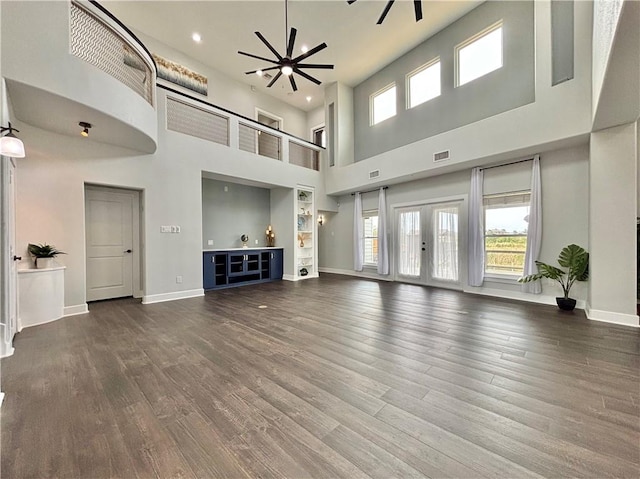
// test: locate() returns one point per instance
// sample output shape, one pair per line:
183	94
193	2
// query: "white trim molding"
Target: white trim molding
359	274
161	298
75	310
611	317
520	296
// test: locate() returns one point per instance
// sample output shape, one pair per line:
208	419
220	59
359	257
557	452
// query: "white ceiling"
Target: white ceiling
356	45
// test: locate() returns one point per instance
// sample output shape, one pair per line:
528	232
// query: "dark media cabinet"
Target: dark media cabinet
237	267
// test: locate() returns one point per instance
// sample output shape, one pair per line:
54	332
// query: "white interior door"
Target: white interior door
427	246
109	243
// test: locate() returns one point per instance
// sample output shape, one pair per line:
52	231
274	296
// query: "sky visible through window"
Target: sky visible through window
510	219
424	85
384	105
480	57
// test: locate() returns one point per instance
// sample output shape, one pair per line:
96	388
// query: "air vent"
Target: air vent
374	174
441	156
267	76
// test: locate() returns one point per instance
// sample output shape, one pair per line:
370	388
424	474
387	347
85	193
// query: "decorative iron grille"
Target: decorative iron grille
97	43
191	120
304	156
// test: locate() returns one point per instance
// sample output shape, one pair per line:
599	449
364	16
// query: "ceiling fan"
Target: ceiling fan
285	64
417	6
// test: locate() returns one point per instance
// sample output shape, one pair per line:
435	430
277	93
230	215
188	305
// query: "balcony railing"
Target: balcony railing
192	116
504	254
94	37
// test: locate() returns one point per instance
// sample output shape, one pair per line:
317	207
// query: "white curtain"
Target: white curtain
409	238
534	230
476	230
445	243
358	234
383	245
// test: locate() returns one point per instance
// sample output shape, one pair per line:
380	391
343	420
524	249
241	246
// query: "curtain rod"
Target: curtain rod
507	164
370	191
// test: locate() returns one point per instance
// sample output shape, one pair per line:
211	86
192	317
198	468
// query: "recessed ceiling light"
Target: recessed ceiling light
308	99
304	49
196	37
259	73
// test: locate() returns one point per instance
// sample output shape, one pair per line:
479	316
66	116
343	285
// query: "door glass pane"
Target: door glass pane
409	243
445	243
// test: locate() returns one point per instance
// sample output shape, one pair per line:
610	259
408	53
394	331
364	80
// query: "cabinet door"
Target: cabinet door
276	264
208	271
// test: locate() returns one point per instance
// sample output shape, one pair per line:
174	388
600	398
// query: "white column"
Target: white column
612	225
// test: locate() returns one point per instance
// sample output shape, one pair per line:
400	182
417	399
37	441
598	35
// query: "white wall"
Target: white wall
565	175
559	117
612	215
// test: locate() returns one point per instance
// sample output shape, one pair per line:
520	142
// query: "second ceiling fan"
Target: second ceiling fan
417	6
287	64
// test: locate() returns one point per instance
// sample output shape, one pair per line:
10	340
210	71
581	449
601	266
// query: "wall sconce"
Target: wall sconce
10	144
320	220
85	126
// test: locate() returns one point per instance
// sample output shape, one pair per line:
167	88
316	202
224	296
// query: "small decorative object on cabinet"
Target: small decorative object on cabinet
43	254
245	240
306	256
271	237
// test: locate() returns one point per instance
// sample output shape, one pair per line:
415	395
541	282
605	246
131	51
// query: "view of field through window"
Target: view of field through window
505	239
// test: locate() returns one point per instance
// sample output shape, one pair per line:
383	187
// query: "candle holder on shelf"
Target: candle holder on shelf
271	237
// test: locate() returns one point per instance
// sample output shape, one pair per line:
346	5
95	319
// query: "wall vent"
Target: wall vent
374	174
441	156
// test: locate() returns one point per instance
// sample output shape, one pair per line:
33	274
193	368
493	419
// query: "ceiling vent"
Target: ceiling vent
374	174
267	76
441	156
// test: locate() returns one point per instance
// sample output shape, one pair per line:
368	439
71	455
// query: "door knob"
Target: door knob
17	258
128	251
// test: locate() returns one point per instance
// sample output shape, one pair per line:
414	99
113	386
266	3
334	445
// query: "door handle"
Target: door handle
128	251
17	258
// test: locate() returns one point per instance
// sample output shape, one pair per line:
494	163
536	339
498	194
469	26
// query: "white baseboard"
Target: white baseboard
520	296
611	317
359	274
161	298
291	277
74	310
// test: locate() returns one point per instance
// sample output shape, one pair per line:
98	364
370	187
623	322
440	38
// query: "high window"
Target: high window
423	83
370	219
506	220
320	136
383	104
479	55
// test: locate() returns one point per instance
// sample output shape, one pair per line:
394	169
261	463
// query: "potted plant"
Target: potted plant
43	254
575	260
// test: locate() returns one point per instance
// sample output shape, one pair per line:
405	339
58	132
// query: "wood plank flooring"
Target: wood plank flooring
337	377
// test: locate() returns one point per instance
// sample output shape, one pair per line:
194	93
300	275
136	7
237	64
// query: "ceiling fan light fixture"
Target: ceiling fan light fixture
286	70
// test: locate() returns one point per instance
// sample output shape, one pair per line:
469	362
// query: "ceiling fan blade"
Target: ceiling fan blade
273	50
275	79
385	11
314	65
261	70
259	58
293	83
313	51
292	41
417	5
304	75
351	1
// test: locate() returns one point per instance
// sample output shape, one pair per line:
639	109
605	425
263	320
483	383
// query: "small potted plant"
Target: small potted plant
43	254
575	260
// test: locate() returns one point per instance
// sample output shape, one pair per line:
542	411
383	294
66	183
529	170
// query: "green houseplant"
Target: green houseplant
575	260
42	251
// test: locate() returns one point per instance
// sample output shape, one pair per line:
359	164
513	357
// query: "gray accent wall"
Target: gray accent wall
502	90
228	214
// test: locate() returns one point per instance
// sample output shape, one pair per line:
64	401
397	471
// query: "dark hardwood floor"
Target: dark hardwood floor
337	378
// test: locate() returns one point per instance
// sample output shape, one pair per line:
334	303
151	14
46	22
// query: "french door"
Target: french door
427	244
